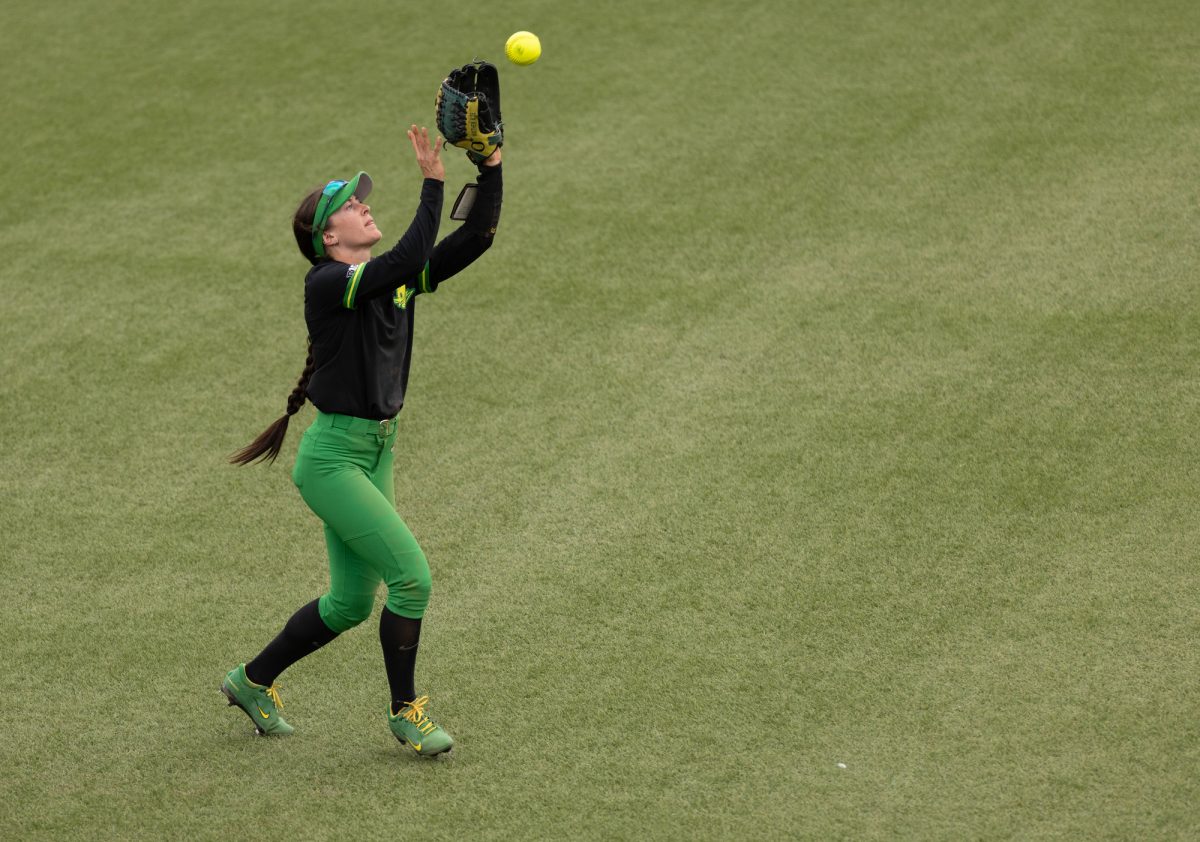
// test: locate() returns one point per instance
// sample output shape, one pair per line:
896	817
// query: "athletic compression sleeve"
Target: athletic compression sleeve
464	245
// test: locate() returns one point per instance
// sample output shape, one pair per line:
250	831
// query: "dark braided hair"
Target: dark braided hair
266	447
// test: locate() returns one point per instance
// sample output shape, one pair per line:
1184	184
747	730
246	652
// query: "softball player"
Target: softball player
359	312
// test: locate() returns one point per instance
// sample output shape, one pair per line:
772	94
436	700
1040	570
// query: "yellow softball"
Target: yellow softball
522	48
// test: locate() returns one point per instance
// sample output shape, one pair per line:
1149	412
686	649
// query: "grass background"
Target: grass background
829	396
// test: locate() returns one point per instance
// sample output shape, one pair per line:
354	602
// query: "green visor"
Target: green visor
336	194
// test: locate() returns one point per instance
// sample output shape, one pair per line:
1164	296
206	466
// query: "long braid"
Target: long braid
269	442
300	394
266	447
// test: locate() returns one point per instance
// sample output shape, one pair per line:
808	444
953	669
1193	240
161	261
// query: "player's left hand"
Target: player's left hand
468	109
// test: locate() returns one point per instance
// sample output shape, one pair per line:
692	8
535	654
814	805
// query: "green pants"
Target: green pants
344	473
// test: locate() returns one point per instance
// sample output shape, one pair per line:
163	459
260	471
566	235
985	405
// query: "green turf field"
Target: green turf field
811	457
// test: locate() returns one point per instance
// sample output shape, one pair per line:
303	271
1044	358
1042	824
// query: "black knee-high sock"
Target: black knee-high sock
304	634
399	637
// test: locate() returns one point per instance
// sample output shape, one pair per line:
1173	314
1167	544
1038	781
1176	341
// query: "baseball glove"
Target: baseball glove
468	109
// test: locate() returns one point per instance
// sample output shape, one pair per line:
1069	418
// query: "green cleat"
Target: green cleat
260	703
412	727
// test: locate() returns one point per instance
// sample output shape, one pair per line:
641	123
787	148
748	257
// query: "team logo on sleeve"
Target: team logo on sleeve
400	299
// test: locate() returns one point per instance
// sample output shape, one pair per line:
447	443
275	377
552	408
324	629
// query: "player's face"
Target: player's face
353	225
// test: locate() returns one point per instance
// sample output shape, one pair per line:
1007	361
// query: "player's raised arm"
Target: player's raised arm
406	261
465	244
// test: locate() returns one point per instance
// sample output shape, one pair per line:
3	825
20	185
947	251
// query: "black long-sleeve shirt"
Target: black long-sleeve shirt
360	316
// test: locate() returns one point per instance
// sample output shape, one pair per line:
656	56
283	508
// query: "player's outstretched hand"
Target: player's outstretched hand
429	155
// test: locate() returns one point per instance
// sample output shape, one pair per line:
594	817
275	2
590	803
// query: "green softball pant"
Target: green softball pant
344	473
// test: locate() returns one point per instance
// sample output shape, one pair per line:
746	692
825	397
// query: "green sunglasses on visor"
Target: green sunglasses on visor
336	194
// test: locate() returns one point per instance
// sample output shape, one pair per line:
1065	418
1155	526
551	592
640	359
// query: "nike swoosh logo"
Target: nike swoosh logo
416	746
264	715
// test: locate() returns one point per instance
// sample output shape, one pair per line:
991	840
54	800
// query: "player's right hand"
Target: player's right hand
429	155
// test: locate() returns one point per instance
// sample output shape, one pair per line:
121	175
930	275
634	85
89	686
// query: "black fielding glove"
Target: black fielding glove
468	109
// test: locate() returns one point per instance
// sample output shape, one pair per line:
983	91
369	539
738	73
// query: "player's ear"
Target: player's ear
329	239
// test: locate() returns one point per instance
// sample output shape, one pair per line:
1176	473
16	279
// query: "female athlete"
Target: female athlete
359	313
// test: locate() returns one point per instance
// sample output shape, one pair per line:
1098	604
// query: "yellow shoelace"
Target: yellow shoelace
415	713
274	694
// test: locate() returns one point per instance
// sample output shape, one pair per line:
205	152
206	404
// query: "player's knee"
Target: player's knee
422	586
344	614
408	596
